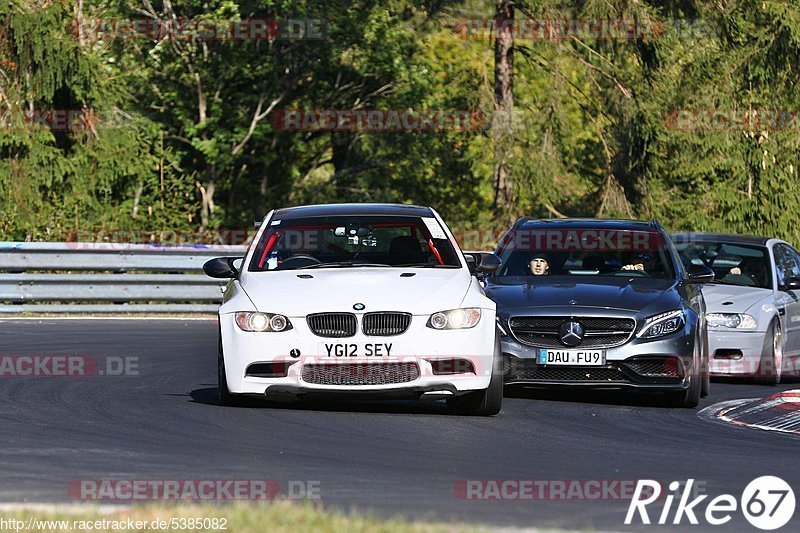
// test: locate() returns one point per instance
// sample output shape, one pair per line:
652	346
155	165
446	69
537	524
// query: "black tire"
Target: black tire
705	383
770	366
690	397
706	370
486	402
226	397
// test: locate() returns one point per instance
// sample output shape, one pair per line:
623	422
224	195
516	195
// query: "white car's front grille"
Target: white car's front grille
339	325
335	325
385	324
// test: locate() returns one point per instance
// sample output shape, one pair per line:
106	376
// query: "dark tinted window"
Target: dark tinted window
732	263
585	252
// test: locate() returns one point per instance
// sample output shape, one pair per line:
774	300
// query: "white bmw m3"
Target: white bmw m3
359	298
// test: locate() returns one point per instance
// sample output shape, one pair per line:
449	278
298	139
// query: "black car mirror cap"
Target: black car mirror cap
472	263
791	284
222	267
482	262
699	274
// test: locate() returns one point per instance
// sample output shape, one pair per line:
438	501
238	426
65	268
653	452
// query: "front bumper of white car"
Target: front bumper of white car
735	353
419	361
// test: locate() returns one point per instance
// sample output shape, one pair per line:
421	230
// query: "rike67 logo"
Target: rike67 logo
767	503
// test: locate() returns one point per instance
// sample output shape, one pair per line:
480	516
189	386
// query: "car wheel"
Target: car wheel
486	402
691	396
226	397
771	364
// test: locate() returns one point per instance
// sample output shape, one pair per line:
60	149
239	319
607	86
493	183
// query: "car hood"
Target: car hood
380	289
733	299
637	295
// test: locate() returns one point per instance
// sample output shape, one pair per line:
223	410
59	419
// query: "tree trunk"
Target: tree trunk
206	201
340	158
503	109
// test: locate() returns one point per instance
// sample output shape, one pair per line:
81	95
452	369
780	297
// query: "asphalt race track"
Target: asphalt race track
395	458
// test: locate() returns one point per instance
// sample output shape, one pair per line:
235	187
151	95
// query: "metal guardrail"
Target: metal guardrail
108	278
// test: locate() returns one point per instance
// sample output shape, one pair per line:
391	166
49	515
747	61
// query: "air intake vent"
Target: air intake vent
360	373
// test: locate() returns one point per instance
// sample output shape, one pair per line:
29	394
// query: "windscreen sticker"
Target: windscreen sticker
274	222
433	226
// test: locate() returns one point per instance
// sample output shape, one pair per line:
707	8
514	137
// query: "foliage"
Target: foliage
182	132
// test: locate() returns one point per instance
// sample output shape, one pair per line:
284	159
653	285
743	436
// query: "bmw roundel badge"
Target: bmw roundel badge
358	307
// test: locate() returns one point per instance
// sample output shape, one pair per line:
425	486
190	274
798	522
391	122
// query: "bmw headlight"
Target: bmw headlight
661	325
730	320
262	322
455	319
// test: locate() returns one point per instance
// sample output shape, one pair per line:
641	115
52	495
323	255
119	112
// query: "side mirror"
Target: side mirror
221	267
482	262
791	284
472	265
699	274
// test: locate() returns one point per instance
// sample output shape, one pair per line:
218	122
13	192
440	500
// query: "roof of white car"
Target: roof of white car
322	210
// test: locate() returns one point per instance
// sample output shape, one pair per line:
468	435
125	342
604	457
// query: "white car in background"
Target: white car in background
359	298
753	303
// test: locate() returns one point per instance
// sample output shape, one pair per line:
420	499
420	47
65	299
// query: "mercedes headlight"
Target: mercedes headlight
455	319
262	322
730	320
661	325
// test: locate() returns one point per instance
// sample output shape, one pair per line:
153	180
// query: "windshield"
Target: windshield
588	252
353	241
733	264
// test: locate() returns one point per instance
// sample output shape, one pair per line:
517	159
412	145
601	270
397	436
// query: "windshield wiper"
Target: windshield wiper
343	264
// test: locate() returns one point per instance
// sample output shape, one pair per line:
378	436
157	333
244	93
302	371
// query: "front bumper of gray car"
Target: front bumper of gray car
660	364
